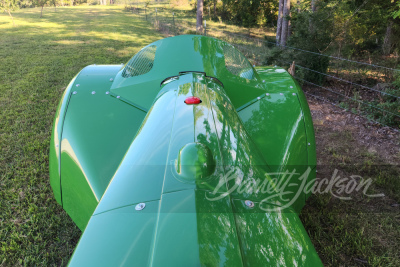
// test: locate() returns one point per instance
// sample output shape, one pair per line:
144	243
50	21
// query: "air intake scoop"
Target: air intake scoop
195	161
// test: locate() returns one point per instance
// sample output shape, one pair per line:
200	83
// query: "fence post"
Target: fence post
292	70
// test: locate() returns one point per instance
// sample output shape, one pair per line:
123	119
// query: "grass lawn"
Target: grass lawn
38	58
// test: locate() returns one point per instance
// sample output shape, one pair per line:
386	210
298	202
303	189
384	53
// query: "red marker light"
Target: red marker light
192	100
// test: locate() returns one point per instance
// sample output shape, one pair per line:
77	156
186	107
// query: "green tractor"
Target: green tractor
185	156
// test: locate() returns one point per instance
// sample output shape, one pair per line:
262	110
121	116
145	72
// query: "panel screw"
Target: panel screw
93	92
118	96
74	92
140	206
77	85
107	93
267	94
281	94
294	93
249	203
291	86
258	98
263	81
309	144
111	79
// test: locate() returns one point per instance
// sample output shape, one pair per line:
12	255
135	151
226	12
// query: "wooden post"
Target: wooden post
292	70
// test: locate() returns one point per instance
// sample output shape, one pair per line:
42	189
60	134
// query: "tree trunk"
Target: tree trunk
310	22
215	8
313	8
279	22
41	12
285	22
199	20
9	13
387	42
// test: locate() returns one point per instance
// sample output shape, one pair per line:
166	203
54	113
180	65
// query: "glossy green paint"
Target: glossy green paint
121	237
55	142
185	53
279	236
189	164
97	129
195	161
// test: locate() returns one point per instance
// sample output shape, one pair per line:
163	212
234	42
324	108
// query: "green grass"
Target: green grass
38	58
364	231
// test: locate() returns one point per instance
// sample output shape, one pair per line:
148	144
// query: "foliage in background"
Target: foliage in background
389	103
311	31
366	26
8	6
396	13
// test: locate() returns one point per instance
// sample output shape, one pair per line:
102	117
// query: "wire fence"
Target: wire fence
365	89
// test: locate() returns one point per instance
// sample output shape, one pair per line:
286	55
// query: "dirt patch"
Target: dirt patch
361	231
384	142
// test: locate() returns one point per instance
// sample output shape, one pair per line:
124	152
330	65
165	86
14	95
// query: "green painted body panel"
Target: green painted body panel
280	238
180	54
55	143
135	140
97	129
128	234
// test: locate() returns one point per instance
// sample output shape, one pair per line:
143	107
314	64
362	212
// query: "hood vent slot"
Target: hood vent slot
141	63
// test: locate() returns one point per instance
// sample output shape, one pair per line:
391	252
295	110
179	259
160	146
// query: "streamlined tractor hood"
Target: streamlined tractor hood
177	158
171	203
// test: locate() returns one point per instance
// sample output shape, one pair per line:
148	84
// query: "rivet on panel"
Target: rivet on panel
140	206
93	92
281	94
118	96
263	81
291	86
56	145
309	144
111	79
74	92
249	203
258	98
107	93
267	94
294	94
77	85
